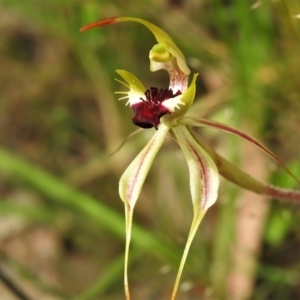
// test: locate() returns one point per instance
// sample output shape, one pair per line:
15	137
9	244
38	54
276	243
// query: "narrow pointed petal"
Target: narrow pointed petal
204	184
136	88
198	122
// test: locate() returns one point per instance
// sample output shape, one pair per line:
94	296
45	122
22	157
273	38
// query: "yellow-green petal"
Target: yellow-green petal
136	88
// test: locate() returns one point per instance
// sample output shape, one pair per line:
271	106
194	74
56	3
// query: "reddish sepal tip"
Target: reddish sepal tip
103	22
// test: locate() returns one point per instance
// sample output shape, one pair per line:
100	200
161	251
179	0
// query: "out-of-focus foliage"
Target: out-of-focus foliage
61	232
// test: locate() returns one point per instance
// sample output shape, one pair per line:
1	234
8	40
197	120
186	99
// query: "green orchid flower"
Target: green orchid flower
165	110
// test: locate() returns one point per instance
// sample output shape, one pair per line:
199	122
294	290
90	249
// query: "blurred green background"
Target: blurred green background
61	219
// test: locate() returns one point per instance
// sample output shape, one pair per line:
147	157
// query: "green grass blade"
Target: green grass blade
58	191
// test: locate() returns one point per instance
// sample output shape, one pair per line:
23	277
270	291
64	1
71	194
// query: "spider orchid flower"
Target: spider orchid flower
165	110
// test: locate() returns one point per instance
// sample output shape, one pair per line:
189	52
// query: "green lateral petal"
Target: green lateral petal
204	184
136	88
198	122
133	82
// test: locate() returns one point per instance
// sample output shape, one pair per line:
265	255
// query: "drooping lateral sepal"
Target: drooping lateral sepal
204	184
133	178
131	183
204	175
244	180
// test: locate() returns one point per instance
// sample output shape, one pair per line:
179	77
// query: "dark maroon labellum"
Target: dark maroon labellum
149	111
